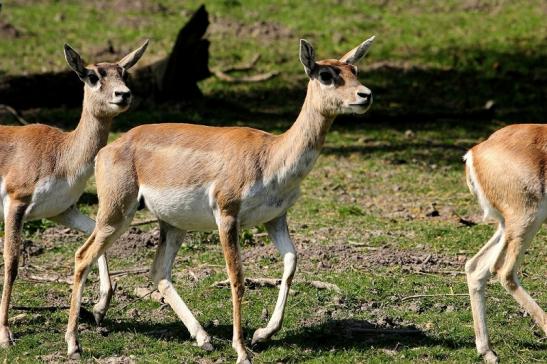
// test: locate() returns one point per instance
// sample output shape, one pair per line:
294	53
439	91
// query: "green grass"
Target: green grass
356	197
373	185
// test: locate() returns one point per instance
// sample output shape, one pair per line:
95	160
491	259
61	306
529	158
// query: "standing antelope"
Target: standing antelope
43	171
507	174
194	177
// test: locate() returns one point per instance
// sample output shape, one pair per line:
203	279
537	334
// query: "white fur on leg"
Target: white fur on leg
279	233
161	275
478	270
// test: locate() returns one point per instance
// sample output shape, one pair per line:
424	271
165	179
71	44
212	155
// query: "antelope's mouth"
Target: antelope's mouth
122	103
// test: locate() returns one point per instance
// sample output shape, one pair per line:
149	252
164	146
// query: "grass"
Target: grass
376	181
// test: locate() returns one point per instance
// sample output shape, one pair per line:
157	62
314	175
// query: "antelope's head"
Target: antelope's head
334	83
105	90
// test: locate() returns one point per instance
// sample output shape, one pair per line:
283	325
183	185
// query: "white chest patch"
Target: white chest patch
187	208
262	203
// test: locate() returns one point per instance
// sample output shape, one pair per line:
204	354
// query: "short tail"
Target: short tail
477	190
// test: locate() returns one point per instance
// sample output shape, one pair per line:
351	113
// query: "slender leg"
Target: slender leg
517	243
279	233
13	222
93	248
228	231
74	219
478	270
170	242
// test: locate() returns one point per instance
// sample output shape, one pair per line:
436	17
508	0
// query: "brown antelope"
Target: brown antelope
43	170
507	174
194	177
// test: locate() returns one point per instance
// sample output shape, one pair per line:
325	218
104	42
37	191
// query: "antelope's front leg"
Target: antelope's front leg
13	222
74	219
279	233
228	231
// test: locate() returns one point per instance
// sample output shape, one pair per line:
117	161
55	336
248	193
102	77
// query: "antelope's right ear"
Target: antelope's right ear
307	56
75	62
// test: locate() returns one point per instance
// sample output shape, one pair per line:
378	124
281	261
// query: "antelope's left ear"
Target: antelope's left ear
129	61
357	53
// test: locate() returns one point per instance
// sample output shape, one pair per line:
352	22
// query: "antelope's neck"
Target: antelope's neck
84	142
294	153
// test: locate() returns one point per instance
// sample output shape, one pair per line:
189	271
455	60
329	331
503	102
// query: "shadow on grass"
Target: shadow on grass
362	335
333	334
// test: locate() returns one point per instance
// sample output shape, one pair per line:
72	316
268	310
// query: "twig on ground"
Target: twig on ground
145	222
274	282
223	75
243	67
47	278
436	271
119	273
325	285
15	113
254	78
432	295
259	282
139	298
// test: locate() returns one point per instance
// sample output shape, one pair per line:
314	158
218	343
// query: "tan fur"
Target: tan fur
43	170
509	171
247	172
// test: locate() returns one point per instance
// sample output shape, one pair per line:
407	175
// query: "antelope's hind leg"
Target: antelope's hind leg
170	242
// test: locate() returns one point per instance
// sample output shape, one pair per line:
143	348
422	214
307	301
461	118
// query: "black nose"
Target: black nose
364	95
125	95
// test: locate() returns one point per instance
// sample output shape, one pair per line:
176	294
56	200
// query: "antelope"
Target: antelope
507	174
195	177
43	170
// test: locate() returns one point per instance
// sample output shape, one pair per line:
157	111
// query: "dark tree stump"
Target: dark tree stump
188	62
171	79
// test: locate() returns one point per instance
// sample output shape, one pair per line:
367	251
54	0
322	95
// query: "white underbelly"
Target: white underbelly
52	196
193	208
187	208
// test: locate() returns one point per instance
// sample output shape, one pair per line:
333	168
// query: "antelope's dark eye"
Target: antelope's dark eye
93	78
325	76
102	72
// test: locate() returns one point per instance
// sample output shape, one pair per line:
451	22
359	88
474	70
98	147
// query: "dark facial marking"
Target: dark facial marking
92	77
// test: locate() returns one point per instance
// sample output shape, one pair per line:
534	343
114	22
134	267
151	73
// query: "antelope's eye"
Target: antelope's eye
93	78
102	72
325	76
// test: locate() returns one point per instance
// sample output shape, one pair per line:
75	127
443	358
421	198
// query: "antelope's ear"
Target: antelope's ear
358	53
307	56
75	62
129	61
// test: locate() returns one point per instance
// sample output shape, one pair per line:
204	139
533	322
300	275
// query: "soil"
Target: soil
7	30
134	240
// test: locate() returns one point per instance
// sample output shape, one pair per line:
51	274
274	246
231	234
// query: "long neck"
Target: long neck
84	142
295	152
